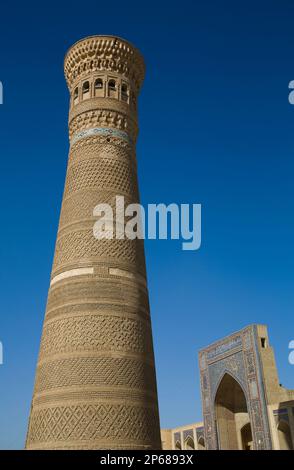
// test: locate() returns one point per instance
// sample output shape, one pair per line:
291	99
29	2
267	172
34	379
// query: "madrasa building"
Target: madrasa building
244	405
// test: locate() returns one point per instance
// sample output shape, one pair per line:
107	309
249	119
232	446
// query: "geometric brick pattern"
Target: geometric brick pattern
92	149
82	244
113	174
94	291
79	206
88	332
103	307
95	371
86	422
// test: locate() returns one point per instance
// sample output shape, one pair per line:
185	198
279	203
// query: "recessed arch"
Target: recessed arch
284	434
98	83
178	445
230	373
86	90
112	88
98	87
112	84
189	443
231	413
124	92
201	443
246	436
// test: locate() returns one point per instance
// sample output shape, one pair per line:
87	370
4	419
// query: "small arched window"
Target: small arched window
189	443
98	84
76	95
124	92
111	85
86	87
201	443
178	446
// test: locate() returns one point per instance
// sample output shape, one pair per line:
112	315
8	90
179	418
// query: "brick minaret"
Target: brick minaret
95	382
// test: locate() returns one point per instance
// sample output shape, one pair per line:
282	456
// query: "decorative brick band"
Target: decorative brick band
71	273
93	422
123	273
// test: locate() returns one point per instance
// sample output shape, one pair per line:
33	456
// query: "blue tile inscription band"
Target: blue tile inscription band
105	131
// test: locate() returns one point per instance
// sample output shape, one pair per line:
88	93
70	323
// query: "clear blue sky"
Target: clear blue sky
216	128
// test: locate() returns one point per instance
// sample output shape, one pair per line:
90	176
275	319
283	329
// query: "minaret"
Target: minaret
95	383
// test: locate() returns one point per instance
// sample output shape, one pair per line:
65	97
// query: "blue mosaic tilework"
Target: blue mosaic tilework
224	348
234	365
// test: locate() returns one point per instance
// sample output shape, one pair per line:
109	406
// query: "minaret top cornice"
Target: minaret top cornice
104	53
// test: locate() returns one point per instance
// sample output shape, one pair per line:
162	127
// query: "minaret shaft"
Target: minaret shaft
95	382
